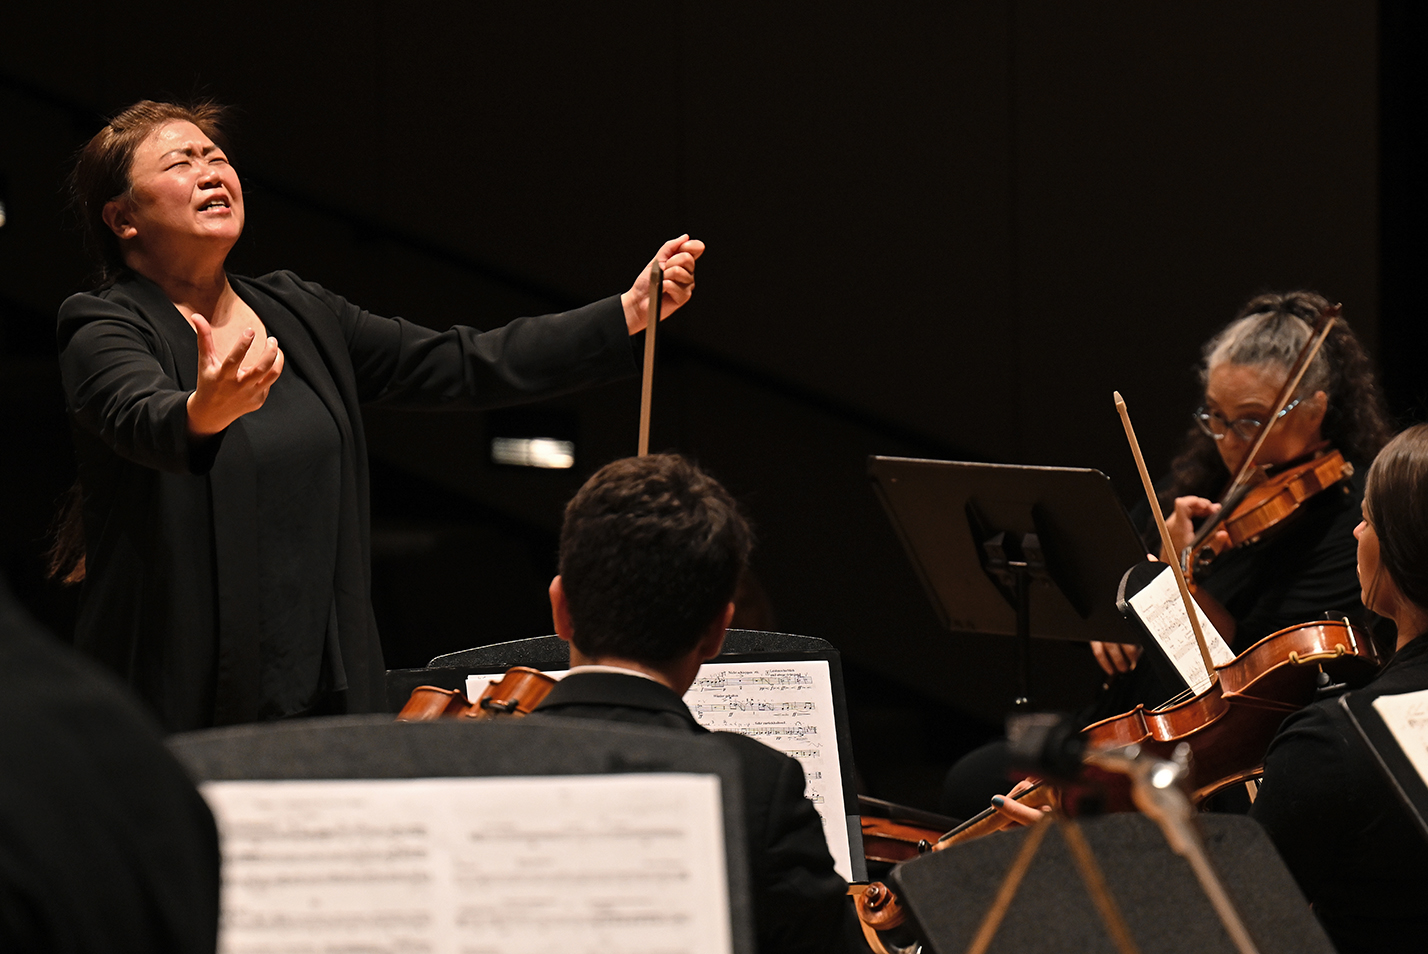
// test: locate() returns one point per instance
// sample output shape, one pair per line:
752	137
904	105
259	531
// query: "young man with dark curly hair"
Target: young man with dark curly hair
650	553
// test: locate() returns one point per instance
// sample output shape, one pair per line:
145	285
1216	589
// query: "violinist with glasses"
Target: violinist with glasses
1328	808
1301	569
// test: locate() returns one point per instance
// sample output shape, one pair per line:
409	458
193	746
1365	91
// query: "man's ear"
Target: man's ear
116	216
560	610
712	643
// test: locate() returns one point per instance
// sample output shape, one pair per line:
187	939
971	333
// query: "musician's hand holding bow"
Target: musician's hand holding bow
1181	524
1008	807
677	258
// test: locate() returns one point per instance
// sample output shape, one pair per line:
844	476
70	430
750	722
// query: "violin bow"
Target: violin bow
1165	543
1240	485
647	386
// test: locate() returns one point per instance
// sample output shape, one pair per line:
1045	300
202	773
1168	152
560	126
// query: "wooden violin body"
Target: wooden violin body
519	691
1228	728
1230	725
1271	502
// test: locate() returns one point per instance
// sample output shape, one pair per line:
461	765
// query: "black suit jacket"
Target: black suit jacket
106	847
800	902
172	565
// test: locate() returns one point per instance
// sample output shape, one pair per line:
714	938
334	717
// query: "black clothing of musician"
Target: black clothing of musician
229	580
105	844
1347	839
1301	571
800	902
1304	572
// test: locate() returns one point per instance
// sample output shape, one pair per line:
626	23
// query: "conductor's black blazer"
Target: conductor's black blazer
800	902
172	568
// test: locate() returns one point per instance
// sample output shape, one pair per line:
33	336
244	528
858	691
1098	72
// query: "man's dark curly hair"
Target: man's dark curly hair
1272	329
650	552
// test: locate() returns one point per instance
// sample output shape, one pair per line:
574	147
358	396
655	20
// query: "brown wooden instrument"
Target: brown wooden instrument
1276	499
519	691
1229	726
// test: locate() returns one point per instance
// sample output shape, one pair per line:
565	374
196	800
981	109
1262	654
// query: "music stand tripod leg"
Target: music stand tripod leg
1086	866
1023	635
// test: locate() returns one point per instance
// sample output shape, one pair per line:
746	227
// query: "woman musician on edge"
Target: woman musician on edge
217	420
1342	831
1301	571
1305	569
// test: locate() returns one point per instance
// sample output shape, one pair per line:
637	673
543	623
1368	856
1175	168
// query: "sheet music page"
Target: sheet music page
788	706
1406	716
1161	609
785	705
578	864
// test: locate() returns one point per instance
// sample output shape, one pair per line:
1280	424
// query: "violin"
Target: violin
517	692
1228	728
1271	501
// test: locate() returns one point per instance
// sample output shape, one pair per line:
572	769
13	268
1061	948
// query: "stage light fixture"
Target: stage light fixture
539	438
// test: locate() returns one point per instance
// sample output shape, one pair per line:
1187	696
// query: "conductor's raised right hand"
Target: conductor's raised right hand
228	389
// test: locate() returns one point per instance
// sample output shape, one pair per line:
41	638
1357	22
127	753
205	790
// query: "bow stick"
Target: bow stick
647	388
1165	543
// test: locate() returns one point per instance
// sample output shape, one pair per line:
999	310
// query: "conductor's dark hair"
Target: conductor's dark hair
1269	331
650	553
1396	505
102	170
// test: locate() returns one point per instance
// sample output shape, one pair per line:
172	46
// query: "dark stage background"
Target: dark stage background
934	229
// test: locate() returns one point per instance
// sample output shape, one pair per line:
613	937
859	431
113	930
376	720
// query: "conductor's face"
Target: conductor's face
183	195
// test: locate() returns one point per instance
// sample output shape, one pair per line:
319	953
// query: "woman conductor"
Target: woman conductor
218	426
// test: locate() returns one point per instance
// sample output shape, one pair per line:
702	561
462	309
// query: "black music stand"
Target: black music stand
947	893
451	670
375	747
1013	550
1392	761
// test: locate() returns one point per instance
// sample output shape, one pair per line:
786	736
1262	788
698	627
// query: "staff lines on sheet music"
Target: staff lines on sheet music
777	680
345	920
731	705
797	731
355	856
255	879
575	832
498	918
261	831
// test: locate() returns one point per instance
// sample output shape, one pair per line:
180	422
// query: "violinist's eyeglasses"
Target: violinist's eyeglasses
1246	428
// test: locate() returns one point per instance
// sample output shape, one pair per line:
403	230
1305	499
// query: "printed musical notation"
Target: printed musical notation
1162	610
788	706
573	863
701	708
785	705
1406	716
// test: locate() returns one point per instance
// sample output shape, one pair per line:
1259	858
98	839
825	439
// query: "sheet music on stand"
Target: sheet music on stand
1395	728
1149	594
787	704
630	862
